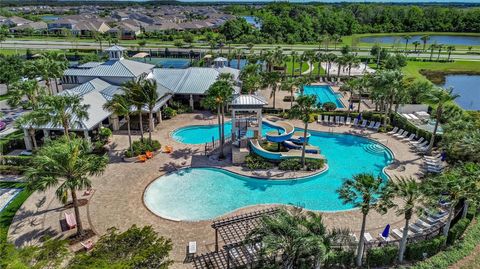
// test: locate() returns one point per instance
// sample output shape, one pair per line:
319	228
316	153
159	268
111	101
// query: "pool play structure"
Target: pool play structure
196	194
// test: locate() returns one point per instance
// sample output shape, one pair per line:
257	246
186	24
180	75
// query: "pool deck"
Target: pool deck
117	200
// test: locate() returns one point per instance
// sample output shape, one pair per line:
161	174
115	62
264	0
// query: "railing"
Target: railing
211	147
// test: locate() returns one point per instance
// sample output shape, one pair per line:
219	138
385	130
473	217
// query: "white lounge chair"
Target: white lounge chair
332	120
423	224
192	249
342	120
368	237
319	119
419	141
337	119
386	239
377	126
364	124
355	122
413	117
400	133
421	145
370	126
403	136
349	121
394	131
406	116
410	138
325	119
397	233
415	228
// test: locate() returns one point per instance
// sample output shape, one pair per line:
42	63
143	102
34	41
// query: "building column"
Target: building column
46	134
115	122
159	115
191	101
259	119
86	135
28	141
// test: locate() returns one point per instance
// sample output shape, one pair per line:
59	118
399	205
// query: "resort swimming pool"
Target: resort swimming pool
204	193
324	94
201	134
180	63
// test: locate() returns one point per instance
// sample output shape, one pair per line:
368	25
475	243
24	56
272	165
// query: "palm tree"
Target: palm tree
416	44
30	121
66	164
29	89
425	39
63	109
438	97
310	58
271	79
288	84
132	88
302	110
449	50
361	192
330	58
352	61
452	187
120	105
301	238
217	96
341	61
410	192
150	97
387	83
439	47
293	55
352	86
406	38
432	48
319	56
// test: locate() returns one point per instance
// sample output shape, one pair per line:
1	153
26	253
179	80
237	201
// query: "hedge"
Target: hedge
11	142
415	251
381	256
16	160
456	252
457	230
340	258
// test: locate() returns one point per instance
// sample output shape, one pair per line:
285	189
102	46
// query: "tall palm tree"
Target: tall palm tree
330	58
30	121
438	97
407	39
439	47
271	79
302	110
362	192
353	86
450	49
293	54
150	97
410	192
341	61
29	89
387	83
217	96
63	109
120	105
309	57
416	44
432	48
301	238
67	165
132	88
319	57
288	84
425	39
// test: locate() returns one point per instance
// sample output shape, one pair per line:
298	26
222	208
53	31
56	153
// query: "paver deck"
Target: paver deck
118	196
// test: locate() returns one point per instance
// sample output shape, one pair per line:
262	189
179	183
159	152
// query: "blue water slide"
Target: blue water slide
280	136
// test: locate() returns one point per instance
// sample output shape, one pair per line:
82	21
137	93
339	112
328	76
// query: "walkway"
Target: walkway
118	197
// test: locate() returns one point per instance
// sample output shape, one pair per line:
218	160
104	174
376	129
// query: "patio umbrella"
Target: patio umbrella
359	117
386	231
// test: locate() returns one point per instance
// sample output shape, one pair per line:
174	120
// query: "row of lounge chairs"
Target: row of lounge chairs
424	224
433	164
341	120
420	145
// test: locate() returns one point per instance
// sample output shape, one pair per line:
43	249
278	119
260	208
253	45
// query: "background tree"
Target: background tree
450	49
28	89
150	97
66	165
270	80
407	39
302	110
361	192
132	90
425	39
120	105
438	97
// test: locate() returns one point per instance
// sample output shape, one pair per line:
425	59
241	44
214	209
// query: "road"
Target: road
50	45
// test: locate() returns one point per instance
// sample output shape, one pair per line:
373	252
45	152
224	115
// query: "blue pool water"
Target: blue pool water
205	193
166	62
198	134
324	94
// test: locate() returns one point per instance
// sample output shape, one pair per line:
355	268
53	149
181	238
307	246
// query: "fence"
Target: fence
211	147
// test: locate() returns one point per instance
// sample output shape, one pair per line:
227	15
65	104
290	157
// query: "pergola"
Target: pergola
236	251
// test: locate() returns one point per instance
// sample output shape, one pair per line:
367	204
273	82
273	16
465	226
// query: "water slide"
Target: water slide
279	137
278	156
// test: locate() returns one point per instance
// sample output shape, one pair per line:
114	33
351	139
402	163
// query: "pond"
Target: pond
253	21
468	87
439	39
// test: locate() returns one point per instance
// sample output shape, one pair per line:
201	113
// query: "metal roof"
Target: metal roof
90	65
193	80
115	48
120	68
249	100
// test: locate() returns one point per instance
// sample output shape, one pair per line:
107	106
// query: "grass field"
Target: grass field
7	214
413	68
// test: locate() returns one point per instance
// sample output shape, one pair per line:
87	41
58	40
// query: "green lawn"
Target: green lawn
7	214
413	68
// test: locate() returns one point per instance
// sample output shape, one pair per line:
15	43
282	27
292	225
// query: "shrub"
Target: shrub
16	160
457	230
105	133
11	170
11	142
169	113
340	258
290	165
140	147
415	251
381	256
329	106
313	165
253	161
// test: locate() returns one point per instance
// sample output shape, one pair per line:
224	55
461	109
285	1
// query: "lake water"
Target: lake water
439	39
468	87
253	21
